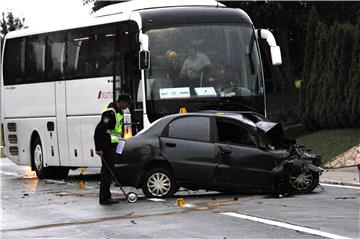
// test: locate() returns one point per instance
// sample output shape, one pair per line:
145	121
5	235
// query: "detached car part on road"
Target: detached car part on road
226	152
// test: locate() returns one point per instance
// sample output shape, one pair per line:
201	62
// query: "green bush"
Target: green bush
331	85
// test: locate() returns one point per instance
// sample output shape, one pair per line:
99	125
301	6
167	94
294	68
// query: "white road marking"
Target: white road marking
339	186
188	205
156	199
10	174
285	225
50	181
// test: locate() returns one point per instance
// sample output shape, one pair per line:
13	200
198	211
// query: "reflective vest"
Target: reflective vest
116	133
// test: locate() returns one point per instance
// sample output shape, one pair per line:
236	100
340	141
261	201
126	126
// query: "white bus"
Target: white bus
56	81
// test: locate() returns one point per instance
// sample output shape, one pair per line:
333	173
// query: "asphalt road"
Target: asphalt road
59	209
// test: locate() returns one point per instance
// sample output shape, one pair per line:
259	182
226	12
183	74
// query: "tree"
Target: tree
100	4
10	23
346	48
310	50
353	89
322	88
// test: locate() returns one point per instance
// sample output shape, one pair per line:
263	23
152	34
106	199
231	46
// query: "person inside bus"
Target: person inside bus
107	135
173	66
194	67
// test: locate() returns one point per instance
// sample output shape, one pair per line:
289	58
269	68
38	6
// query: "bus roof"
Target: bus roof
147	4
112	13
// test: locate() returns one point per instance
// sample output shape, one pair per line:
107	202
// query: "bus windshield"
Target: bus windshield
194	62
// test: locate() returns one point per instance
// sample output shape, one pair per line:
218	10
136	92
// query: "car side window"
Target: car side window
190	128
232	133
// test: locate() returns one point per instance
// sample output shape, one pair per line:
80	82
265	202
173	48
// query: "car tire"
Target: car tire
38	159
304	182
158	183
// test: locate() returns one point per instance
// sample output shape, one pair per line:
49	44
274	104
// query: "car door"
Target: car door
240	162
187	145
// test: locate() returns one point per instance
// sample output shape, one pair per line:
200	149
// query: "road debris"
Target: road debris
345	197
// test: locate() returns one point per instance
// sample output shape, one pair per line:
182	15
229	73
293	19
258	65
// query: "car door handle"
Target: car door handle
170	145
226	150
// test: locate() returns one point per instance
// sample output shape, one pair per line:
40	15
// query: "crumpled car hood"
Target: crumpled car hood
270	128
274	132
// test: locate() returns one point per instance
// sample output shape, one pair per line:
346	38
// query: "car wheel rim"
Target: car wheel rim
301	181
38	158
159	184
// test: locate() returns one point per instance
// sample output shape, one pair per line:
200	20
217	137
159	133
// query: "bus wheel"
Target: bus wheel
38	159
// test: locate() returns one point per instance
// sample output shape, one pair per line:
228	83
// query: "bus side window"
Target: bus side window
35	59
55	56
79	61
105	47
14	61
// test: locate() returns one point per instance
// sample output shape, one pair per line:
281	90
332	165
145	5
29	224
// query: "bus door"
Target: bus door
61	122
127	75
56	53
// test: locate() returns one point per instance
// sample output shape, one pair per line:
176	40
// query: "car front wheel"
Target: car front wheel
158	183
304	182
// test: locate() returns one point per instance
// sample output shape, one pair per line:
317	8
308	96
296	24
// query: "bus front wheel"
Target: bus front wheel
38	164
38	159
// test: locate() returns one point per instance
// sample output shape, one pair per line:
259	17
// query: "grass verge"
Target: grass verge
331	143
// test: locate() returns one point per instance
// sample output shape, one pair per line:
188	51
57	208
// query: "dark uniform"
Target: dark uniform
104	141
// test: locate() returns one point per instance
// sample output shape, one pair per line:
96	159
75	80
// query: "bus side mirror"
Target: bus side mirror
274	49
144	60
275	55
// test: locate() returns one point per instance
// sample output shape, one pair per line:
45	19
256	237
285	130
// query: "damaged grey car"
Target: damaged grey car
227	152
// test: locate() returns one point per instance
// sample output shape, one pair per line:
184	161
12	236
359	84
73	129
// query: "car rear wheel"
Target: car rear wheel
303	182
158	183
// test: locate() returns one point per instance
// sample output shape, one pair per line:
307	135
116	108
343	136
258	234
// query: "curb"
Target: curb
340	183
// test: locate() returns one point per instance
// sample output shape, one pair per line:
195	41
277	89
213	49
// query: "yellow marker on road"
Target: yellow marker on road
180	202
81	184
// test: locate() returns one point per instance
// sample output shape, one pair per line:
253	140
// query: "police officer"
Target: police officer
107	134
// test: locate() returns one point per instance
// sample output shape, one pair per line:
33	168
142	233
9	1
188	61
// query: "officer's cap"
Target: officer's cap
124	97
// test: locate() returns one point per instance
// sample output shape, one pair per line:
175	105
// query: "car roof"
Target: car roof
248	117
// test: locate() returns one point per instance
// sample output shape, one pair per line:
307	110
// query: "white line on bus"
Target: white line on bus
285	225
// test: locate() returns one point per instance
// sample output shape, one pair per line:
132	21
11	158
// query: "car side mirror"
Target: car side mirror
144	60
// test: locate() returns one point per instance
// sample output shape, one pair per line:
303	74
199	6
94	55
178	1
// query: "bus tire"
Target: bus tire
37	156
